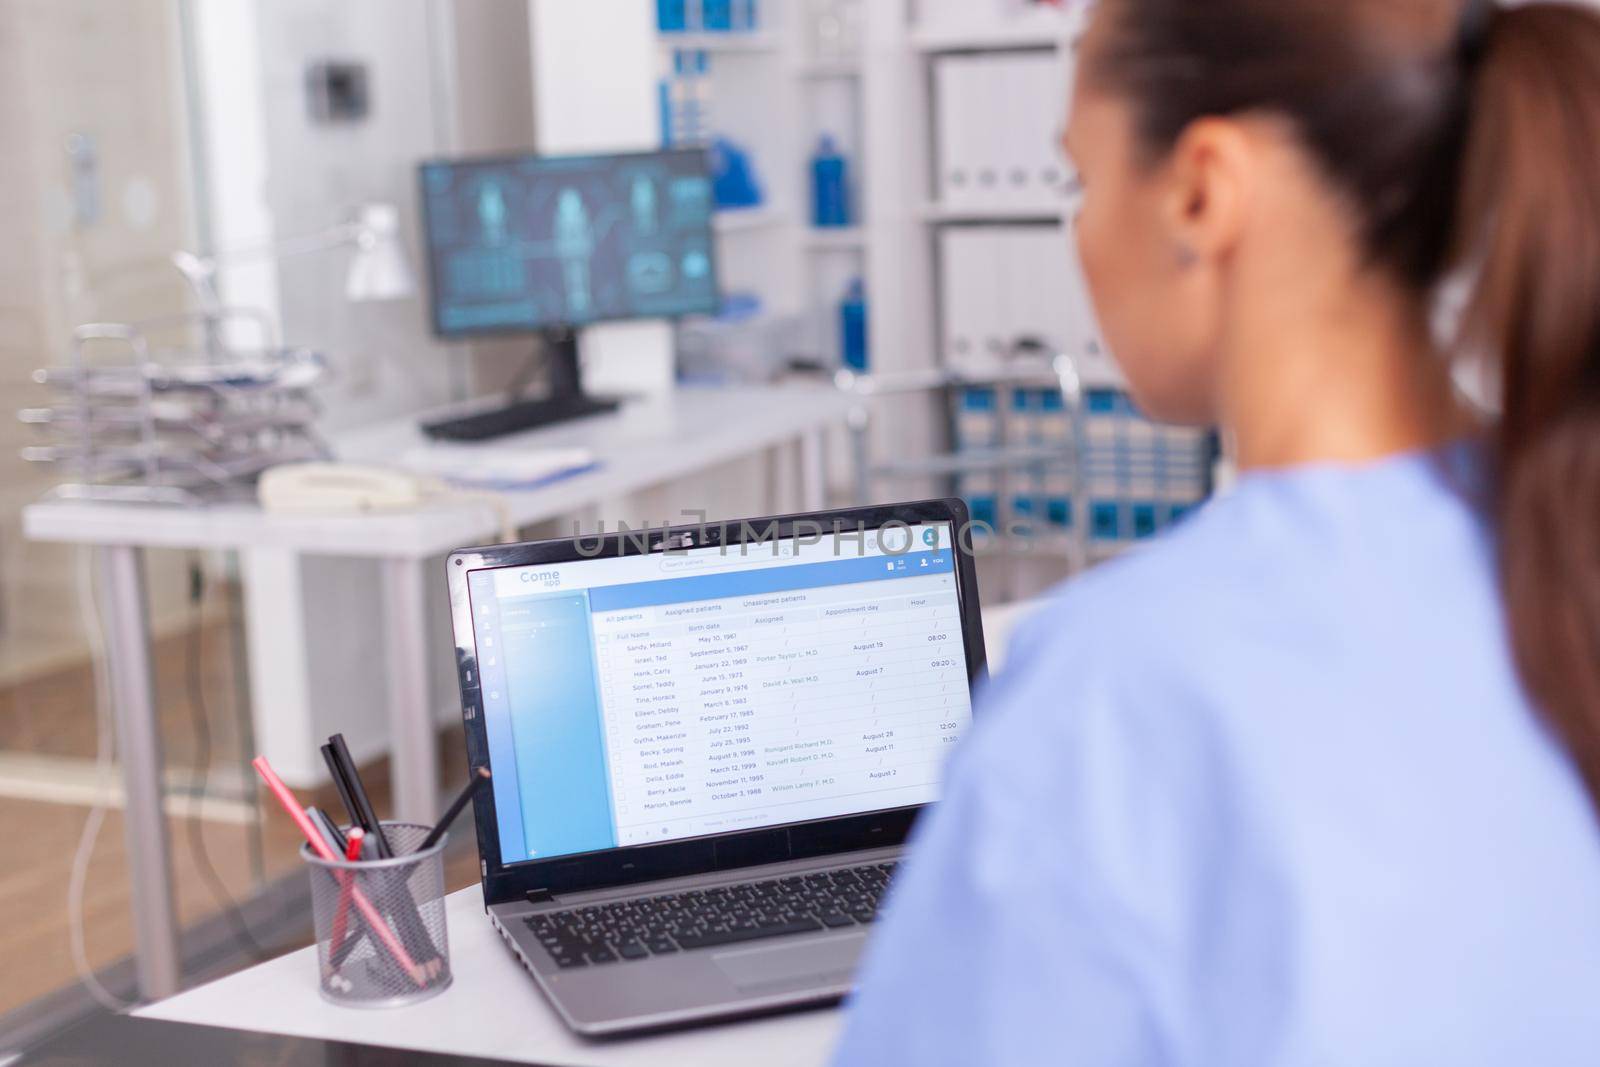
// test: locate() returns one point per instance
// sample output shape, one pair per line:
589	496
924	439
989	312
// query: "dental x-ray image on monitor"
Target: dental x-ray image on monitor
523	244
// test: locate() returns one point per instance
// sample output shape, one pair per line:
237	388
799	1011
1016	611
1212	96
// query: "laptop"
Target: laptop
708	745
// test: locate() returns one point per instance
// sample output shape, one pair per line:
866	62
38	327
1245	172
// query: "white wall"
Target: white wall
485	84
594	90
444	78
449	77
231	162
386	362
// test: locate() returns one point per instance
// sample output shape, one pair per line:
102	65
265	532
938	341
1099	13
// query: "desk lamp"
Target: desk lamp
378	269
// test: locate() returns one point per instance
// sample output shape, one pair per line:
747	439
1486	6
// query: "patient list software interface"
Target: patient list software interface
641	699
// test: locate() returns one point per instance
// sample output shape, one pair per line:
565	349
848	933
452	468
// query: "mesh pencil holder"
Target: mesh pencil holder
381	939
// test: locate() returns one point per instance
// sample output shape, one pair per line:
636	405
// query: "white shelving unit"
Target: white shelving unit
1044	214
742	220
903	217
829	69
842	239
773	97
906	220
732	41
1036	32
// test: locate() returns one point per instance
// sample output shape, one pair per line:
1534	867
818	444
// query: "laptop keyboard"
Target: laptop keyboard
706	918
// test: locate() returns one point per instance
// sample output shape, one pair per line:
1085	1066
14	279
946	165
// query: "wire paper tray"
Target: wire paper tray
182	426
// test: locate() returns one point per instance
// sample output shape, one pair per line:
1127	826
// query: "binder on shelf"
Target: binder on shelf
1105	466
1039	299
954	83
973	131
999	284
1055	431
1017	299
997	121
978	427
1012	122
1141	477
979	492
1055	425
1032	499
988	131
1018	429
1137	478
971	262
1032	95
1047	82
978	419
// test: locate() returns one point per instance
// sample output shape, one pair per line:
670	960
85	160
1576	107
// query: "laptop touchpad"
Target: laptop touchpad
773	968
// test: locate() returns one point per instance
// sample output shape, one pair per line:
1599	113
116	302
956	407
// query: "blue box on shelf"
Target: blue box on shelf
672	16
716	16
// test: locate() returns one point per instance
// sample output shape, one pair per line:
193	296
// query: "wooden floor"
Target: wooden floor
54	715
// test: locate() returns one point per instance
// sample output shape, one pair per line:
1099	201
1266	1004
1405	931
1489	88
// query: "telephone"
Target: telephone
344	487
350	488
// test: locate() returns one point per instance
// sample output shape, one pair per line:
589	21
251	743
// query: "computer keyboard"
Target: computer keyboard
706	918
515	418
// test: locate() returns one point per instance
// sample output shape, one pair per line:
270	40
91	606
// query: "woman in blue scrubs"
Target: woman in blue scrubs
1314	778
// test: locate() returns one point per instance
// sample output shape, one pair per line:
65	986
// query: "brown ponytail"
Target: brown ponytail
1463	136
1531	220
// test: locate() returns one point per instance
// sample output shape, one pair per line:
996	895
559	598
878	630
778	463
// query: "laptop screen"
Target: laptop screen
649	698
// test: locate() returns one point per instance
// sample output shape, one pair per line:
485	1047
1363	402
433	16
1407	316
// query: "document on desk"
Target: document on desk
668	697
480	467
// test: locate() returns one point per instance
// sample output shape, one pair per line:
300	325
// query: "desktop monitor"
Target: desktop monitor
528	244
548	245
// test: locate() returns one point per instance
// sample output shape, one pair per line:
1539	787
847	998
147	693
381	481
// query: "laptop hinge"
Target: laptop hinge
540	896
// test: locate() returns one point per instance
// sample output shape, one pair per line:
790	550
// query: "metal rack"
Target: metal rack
1030	364
174	426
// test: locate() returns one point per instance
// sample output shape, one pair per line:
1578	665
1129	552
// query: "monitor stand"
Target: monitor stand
557	356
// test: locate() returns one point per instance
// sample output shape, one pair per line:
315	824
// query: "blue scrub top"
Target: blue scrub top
1266	791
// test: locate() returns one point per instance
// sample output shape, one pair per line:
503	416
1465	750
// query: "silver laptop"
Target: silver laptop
708	745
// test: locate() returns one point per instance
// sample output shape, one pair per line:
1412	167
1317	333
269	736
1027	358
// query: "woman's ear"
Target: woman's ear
1209	179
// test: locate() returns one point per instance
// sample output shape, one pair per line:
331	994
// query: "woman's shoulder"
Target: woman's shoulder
1106	714
1281	551
1156	589
1216	636
1158	642
1120	635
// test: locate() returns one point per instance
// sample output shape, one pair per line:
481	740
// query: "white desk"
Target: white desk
648	443
491	1009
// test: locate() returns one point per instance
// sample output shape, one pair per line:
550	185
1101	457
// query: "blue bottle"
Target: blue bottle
853	326
830	196
733	177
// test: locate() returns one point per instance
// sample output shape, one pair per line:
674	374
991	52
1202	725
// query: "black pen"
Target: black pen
336	772
408	922
367	815
479	776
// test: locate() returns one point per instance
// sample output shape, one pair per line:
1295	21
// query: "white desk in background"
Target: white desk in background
648	443
492	1009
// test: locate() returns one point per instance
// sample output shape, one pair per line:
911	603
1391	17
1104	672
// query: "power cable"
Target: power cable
105	751
200	723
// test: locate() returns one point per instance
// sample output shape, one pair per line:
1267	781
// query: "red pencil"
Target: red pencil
325	851
341	917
